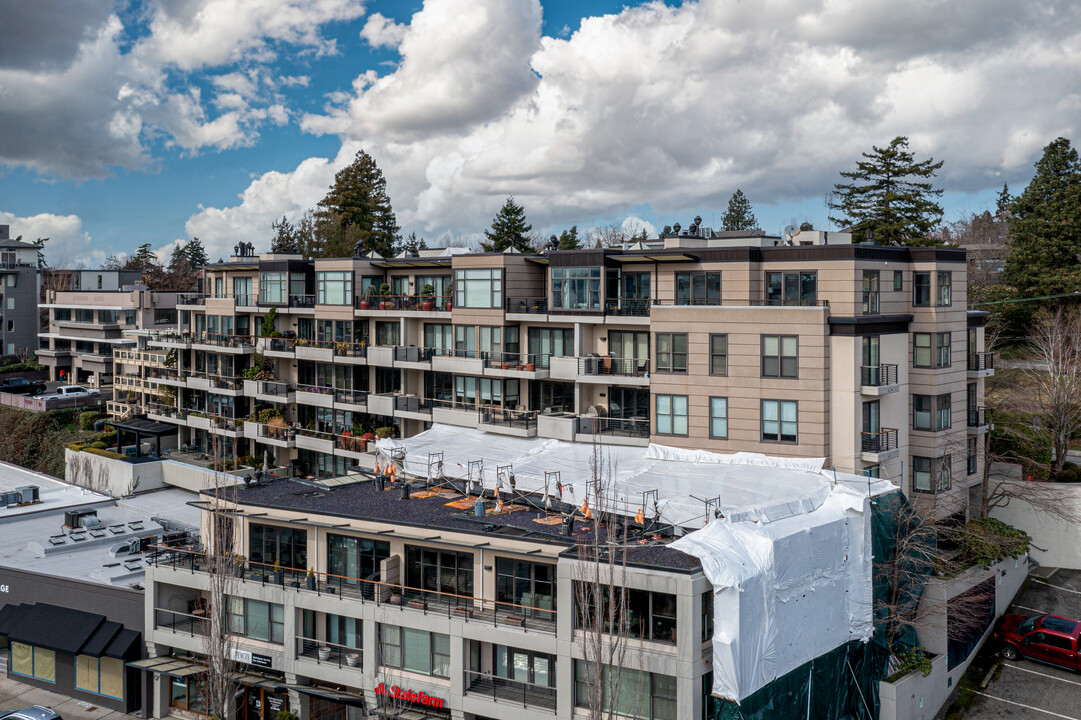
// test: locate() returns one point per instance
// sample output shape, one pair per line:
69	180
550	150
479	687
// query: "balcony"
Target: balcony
315	395
878	446
411	356
614	431
878	379
394	304
277	347
191	299
413	407
223	342
520	423
316	440
180	623
276	435
526	306
509	692
524	365
981	365
462	362
979	420
507	615
601	369
274	391
322	652
170	338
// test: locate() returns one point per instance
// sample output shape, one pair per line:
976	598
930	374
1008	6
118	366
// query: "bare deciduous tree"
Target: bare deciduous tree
602	617
1056	375
219	644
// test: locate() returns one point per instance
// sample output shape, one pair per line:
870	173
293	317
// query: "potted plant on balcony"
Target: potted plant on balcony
448	291
352	659
277	576
396	595
427	302
311	579
385	302
324	653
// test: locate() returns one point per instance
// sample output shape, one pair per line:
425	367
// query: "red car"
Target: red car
1046	638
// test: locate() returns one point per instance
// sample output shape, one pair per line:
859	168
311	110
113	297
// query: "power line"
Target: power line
1076	293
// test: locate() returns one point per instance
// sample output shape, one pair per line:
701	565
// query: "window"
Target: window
672	352
780	356
273	287
779	421
355	558
945	285
61	314
99	282
108	316
649	615
439	337
638	694
942	350
525	666
707	616
718	418
630	345
242	291
388	333
478	288
334	288
257	620
84	316
439	570
557	396
698	288
100	676
32	661
671	414
898	281
922	356
417	651
522	583
791	288
342	630
931	475
219	283
931	412
718	354
188	693
576	288
921	289
551	342
973	456
870	292
286	546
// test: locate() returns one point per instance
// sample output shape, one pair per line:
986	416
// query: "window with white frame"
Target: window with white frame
780	421
671	414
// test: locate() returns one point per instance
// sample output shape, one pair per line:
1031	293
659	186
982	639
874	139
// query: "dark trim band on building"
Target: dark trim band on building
338	696
870	325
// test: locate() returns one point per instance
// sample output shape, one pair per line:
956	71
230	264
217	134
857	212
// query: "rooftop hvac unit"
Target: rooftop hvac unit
10	498
29	493
174	538
80	518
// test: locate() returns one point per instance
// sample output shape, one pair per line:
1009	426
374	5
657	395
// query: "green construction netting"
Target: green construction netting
843	683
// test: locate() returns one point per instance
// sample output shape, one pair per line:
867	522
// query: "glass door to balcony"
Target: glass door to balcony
871	417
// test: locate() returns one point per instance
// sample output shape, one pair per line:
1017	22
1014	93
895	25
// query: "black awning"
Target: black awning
54	627
125	644
100	640
143	426
351	699
7	618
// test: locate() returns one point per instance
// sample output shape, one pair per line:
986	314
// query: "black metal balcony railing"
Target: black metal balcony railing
527	362
523	419
302	301
423	303
979	417
274	387
180	623
223	340
410	353
350	397
191	298
613	427
607	365
391	595
879	442
981	361
515	692
878	375
329	653
627	307
412	403
283	433
528	306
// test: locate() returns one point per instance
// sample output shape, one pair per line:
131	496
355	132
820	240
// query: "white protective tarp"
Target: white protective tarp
790	562
747	485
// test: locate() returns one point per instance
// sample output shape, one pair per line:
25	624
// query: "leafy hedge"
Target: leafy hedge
986	541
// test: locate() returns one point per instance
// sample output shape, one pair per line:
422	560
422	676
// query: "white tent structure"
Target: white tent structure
786	544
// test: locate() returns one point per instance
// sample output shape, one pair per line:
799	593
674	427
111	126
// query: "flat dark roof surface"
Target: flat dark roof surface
361	501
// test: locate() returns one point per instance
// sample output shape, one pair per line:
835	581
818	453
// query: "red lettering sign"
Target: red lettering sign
412	696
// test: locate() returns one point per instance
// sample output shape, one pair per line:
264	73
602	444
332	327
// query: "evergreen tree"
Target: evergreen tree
178	261
1045	226
196	253
1003	202
509	229
806	225
355	210
413	245
666	231
568	239
40	244
144	259
740	214
890	196
284	240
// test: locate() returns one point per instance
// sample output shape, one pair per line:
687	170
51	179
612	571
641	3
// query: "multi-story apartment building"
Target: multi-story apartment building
96	317
862	354
418	608
18	295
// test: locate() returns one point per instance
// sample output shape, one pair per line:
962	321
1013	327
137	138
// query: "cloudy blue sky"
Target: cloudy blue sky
129	122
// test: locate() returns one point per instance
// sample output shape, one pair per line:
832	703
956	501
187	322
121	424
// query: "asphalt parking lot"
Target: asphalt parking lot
1024	688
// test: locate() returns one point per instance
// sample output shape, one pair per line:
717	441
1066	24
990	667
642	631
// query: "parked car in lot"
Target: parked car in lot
22	386
34	712
1046	638
67	391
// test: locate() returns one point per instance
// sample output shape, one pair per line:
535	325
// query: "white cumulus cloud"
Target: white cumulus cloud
68	244
381	31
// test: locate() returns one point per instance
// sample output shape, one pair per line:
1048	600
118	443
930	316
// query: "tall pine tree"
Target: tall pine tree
740	214
890	196
1045	226
568	239
356	209
509	229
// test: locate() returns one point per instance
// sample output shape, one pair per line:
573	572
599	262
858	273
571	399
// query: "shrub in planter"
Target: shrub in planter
88	418
99	445
386	432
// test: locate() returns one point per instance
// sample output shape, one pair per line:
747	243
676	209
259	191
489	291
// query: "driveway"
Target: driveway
1029	689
